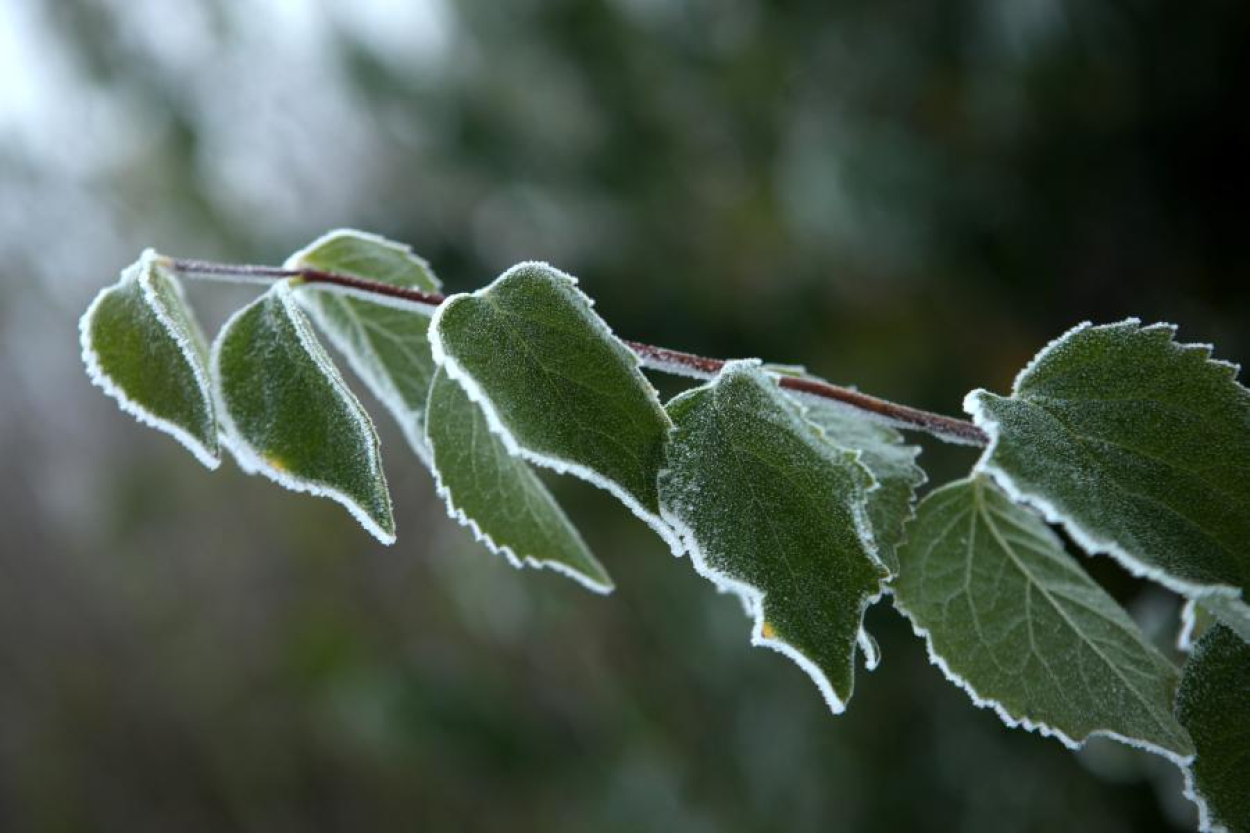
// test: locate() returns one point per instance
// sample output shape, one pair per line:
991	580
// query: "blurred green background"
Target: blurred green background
909	197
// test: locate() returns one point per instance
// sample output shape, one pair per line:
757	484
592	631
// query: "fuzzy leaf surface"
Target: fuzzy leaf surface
385	345
287	413
1196	619
772	511
1213	705
555	384
497	494
891	461
142	345
1013	619
1139	446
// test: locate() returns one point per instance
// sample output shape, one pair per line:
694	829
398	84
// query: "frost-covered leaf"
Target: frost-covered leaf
1214	705
1140	447
143	347
287	414
1014	620
555	384
385	344
497	495
1232	612
1196	620
772	511
891	461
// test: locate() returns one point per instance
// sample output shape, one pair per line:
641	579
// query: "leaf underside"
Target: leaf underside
772	511
1212	705
497	494
1139	446
287	413
386	346
1016	622
142	346
555	384
892	463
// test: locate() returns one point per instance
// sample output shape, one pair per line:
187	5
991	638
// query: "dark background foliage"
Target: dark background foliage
910	197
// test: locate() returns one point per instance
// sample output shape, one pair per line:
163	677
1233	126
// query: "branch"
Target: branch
656	358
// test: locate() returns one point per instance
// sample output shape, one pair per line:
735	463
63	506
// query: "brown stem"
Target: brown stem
656	358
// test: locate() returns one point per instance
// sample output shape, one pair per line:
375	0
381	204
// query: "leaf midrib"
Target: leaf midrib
983	510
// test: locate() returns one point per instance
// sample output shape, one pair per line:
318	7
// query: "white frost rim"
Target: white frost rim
1055	514
367	367
252	461
753	597
559	465
753	605
295	260
1206	824
141	271
510	555
1025	723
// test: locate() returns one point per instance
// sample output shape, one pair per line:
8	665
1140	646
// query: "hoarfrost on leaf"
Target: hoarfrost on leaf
1137	445
1012	619
1195	621
286	412
385	344
891	461
555	384
772	511
142	345
497	495
1212	705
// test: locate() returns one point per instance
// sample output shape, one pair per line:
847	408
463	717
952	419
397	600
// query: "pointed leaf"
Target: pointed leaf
1013	620
143	347
287	414
1139	446
497	495
892	463
385	344
770	510
1214	705
555	384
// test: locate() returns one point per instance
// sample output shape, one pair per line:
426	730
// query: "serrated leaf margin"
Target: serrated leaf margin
1039	727
481	536
752	598
1053	515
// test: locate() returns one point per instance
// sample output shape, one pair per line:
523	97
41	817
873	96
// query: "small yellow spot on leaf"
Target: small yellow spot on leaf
768	631
275	462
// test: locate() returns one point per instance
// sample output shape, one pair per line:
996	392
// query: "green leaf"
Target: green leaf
1195	621
384	343
1232	612
557	387
1013	620
770	510
1139	447
141	344
892	463
498	495
1214	705
287	414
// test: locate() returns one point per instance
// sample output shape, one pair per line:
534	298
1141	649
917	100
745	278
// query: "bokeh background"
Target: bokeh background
911	197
